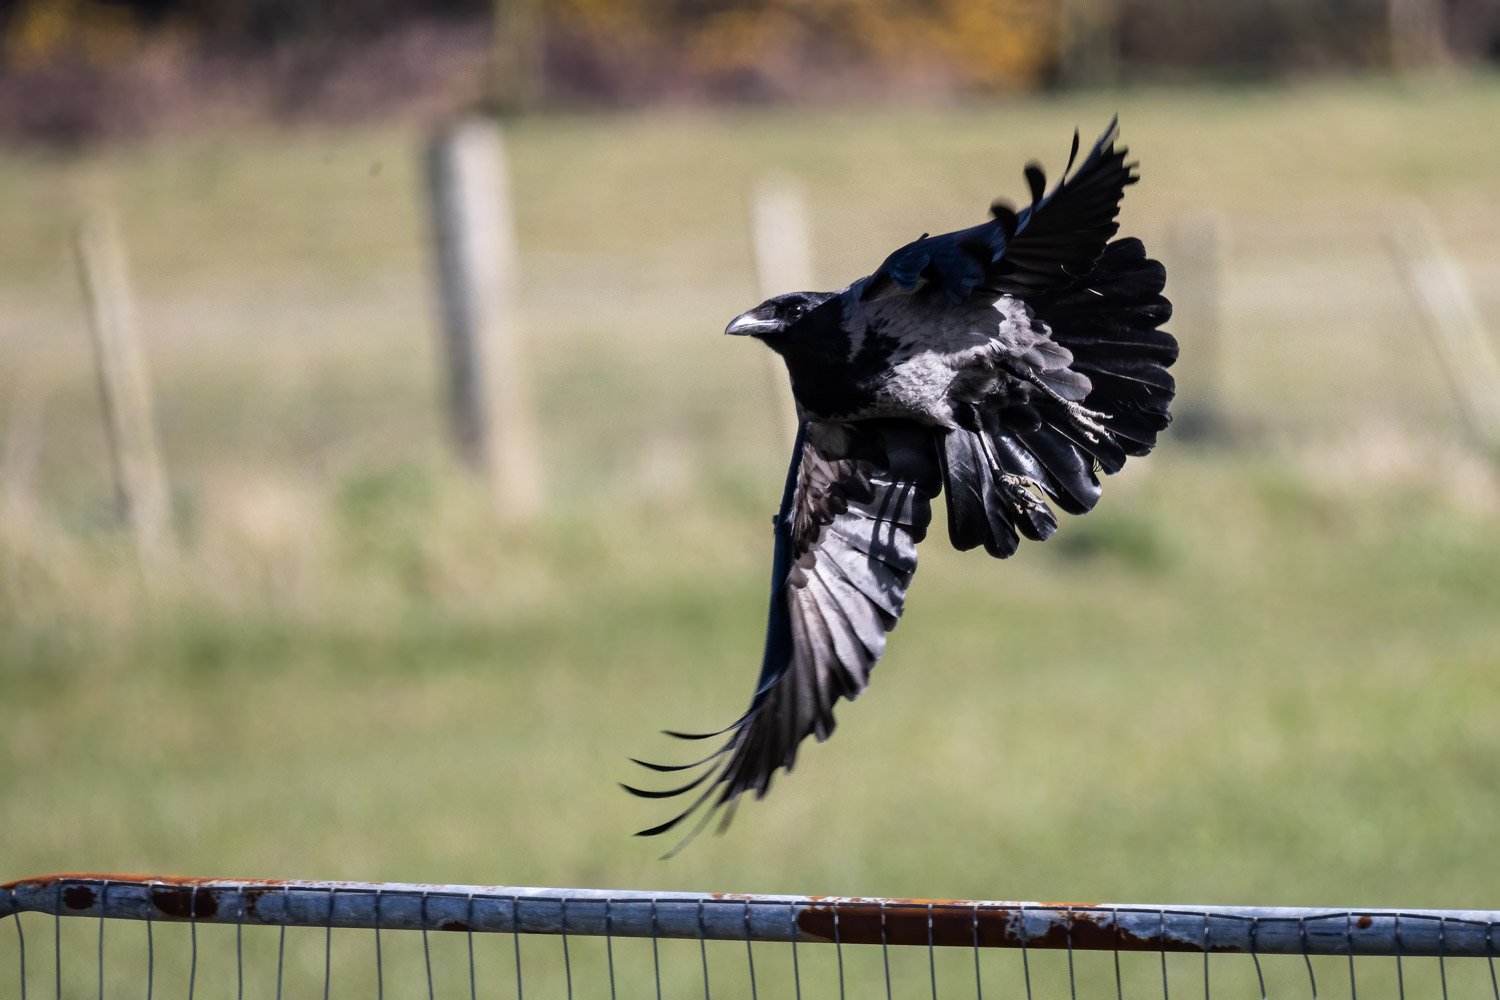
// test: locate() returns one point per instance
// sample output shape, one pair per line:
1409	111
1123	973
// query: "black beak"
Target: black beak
752	324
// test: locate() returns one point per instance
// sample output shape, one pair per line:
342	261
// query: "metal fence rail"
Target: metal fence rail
927	928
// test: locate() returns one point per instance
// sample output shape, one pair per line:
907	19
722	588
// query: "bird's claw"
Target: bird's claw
1088	421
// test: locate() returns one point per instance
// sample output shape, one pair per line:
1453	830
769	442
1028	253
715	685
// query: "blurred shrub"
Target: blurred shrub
1134	541
77	69
627	50
979	42
615	48
1252	36
33	33
39	28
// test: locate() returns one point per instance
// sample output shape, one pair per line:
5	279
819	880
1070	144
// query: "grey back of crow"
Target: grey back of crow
1008	364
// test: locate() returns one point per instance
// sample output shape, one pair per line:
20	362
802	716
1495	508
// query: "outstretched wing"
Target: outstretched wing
1082	381
857	501
1046	245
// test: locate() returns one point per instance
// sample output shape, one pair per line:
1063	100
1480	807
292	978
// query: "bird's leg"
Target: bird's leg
1086	420
1023	491
977	419
1019	482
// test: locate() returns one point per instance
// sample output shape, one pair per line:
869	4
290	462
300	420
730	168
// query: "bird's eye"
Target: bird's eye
796	312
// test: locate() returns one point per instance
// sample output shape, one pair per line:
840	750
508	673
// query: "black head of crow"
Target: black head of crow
1008	364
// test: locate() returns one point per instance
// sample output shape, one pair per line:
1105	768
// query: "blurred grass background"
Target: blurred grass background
1261	671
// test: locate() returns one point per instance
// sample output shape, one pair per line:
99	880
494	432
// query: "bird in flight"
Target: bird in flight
1008	364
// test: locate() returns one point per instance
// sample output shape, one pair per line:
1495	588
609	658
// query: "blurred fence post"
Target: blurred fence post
1451	318
1418	32
477	283
1088	42
22	449
124	387
783	263
1195	250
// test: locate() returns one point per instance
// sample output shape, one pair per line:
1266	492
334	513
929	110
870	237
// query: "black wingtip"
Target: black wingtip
695	831
1106	141
661	828
667	793
652	793
1005	215
695	737
660	768
672	768
1036	180
727	818
676	734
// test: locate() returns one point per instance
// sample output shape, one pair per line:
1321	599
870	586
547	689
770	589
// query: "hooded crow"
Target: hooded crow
1007	364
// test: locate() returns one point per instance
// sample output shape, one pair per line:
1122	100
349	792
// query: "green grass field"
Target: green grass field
1264	670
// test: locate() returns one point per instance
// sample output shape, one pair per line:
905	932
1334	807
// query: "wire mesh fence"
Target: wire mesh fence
106	936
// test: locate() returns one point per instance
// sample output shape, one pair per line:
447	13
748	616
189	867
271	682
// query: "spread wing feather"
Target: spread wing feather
857	501
1046	245
1085	387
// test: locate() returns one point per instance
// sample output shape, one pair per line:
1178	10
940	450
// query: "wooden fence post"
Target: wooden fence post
21	451
124	387
1195	253
783	263
1088	42
474	236
1441	294
1418	33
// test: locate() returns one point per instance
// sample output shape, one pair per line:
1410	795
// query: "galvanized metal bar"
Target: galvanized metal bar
741	917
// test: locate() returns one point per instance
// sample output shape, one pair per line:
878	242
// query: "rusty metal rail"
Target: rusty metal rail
734	917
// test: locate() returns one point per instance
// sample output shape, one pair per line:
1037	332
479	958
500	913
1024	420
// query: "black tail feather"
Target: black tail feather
986	504
1109	321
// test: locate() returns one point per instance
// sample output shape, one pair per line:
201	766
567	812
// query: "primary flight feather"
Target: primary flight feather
1007	364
